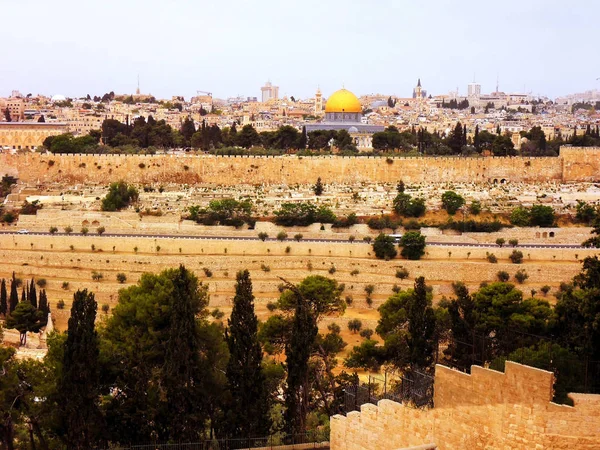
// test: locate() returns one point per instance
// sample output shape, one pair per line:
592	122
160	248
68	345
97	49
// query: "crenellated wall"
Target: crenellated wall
487	409
573	164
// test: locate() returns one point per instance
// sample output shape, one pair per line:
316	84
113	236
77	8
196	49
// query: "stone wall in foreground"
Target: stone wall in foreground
487	409
573	164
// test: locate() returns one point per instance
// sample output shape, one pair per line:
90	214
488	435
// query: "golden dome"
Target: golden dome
343	101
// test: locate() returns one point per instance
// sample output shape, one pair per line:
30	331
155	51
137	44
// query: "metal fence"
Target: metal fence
305	441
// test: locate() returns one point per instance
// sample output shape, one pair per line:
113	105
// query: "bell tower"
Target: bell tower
318	103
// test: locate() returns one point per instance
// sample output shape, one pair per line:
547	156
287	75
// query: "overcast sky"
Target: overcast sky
231	47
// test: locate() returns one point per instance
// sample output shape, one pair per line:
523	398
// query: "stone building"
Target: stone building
28	135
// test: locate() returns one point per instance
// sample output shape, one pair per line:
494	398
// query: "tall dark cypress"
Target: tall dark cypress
182	361
23	295
32	297
43	303
476	140
78	387
3	298
14	295
248	413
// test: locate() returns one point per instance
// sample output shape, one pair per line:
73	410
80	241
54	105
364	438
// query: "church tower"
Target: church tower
318	103
418	92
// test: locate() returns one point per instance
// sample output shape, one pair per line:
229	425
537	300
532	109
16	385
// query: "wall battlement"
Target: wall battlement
574	164
486	409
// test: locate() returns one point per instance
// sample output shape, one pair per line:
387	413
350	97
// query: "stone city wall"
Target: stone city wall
487	409
574	164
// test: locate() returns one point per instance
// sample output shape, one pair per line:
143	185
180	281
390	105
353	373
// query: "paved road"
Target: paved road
251	238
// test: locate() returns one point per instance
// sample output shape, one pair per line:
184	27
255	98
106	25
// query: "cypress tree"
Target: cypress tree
43	304
14	295
303	139
32	294
248	413
182	361
476	141
78	386
297	352
421	328
3	298
464	136
23	295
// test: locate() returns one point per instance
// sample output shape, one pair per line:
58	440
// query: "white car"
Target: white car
23	231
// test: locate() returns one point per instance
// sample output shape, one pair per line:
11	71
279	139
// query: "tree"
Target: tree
187	130
354	325
248	137
78	391
7	115
542	216
452	202
248	411
3	298
119	196
520	216
455	140
384	247
14	295
25	318
413	245
318	187
32	294
462	323
405	205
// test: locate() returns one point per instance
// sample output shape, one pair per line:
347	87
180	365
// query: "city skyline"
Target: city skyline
299	46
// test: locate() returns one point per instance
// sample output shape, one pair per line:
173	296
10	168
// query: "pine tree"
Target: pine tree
188	129
181	365
32	296
3	298
421	328
248	413
455	141
318	187
14	295
78	386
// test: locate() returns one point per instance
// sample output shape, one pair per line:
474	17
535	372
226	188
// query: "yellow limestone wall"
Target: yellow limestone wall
487	409
573	164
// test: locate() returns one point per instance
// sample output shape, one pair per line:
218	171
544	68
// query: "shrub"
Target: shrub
349	300
271	306
384	247
452	202
332	269
100	230
500	242
412	224
60	304
367	239
402	273
217	314
383	222
265	268
521	276
65	285
513	242
369	289
351	238
303	214
491	258
545	289
97	276
369	301
345	222
298	237
84	230
516	257
406	206
207	272
354	325
366	333
119	196
354	272
41	282
282	236
475	207
121	277
334	328
396	289
520	216
263	236
542	216
503	276
288	249
53	230
105	308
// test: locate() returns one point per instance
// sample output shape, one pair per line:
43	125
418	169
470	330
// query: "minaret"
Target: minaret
318	102
137	91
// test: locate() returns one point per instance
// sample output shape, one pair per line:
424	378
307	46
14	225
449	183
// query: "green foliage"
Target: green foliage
384	247
224	212
25	318
318	187
413	245
53	230
298	237
121	277
513	242
491	258
67	143
521	276
382	222
503	276
500	242
354	325
120	195
407	206
368	355
516	257
302	214
282	236
402	273
263	236
520	216
475	207
366	333
536	216
586	213
452	202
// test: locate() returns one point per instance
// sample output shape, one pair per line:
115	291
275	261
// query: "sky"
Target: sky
232	47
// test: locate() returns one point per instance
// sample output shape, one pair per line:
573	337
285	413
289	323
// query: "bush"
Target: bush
68	230
263	236
369	289
473	226
53	230
452	202
384	247
121	277
413	245
228	211
354	272
351	238
412	224
383	222
513	242
402	273
332	269
120	195
406	206
217	314
491	258
521	276
282	236
298	237
369	301
303	214
97	276
265	268
207	272
65	285
516	257
354	325
503	276
396	289
345	222
288	249
271	306
475	207
366	333
545	289
41	282
367	239
60	304
542	216
100	230
349	300
105	308
84	230
500	242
